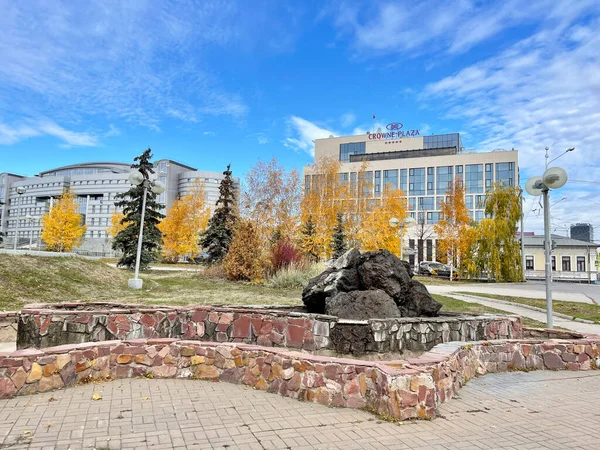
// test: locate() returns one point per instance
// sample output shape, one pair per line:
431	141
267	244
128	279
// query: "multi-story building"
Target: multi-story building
95	184
582	232
423	167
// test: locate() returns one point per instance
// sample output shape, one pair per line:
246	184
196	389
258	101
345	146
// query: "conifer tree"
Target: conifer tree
308	239
131	204
219	233
242	261
338	240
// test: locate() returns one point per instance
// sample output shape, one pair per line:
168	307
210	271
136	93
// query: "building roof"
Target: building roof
561	241
102	164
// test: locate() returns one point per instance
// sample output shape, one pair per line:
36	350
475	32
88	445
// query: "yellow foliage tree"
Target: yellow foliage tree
375	232
454	219
62	230
243	261
116	223
185	220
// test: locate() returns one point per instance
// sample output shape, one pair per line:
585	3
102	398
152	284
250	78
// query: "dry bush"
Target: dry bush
243	261
214	271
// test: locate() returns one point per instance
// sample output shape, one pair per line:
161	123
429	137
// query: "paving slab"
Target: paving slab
542	410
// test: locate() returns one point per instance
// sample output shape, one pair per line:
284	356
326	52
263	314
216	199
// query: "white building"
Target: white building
95	184
423	168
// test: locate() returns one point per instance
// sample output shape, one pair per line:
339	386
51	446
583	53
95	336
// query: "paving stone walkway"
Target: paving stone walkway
537	410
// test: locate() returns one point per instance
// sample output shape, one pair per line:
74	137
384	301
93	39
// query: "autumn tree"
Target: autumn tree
271	200
454	218
117	223
185	220
62	228
338	240
219	233
242	261
498	250
131	203
376	232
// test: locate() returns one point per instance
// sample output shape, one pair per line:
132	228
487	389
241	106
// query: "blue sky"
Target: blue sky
212	82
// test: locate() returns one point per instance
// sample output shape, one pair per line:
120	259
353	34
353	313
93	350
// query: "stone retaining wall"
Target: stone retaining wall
69	323
8	326
403	389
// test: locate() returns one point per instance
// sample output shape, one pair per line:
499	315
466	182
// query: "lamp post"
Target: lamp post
136	178
29	220
20	190
553	178
407	222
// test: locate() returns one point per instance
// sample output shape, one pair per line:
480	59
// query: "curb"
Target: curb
532	308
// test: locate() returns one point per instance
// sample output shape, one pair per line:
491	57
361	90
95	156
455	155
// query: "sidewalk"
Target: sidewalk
572	325
536	410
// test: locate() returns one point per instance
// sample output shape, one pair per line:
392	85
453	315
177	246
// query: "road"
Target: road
573	292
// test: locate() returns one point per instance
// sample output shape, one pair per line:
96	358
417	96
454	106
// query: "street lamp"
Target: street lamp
29	220
20	190
553	178
136	178
407	222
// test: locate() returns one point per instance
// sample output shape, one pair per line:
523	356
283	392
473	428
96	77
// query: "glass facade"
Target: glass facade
488	177
445	175
404	180
416	182
353	148
377	183
442	141
505	173
390	179
474	178
426	204
430	180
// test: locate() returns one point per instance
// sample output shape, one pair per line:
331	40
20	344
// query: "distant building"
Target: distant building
95	184
423	168
572	259
582	232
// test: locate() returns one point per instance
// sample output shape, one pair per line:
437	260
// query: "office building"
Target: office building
423	168
95	184
582	232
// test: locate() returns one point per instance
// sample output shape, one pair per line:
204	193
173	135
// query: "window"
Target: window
529	262
444	178
411	204
489	176
469	201
429	249
163	167
505	173
390	179
352	184
433	218
480	201
353	148
366	181
581	264
430	180
416	184
554	263
474	178
426	204
566	263
378	183
404	180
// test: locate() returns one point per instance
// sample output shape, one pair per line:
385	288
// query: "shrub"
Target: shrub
243	261
284	254
213	271
295	276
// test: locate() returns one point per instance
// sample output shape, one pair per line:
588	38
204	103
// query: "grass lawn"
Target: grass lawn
579	310
34	279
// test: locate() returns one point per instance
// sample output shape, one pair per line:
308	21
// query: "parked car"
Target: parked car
434	268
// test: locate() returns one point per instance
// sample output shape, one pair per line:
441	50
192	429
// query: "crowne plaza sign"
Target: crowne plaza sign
395	131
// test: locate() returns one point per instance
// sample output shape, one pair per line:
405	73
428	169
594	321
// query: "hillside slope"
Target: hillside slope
34	279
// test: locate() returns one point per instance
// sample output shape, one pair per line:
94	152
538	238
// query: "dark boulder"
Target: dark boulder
408	268
385	271
362	305
355	273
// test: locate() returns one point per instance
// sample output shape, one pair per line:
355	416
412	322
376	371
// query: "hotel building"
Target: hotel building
95	184
423	168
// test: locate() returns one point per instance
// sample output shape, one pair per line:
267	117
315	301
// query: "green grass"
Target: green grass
31	279
585	311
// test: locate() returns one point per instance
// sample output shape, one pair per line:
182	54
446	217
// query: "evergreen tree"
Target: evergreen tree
131	203
217	237
308	239
338	240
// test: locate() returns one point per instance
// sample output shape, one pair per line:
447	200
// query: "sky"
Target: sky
212	82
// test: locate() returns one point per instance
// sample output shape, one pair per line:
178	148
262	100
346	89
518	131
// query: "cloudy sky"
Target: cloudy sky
210	82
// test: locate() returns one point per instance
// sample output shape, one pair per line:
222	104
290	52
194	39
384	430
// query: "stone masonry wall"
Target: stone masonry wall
8	326
73	323
403	389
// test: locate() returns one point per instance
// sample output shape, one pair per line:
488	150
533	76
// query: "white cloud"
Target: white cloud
436	26
112	131
12	134
209	133
263	139
347	120
305	133
134	61
542	91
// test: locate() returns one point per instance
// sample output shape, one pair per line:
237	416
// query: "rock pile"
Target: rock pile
368	286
